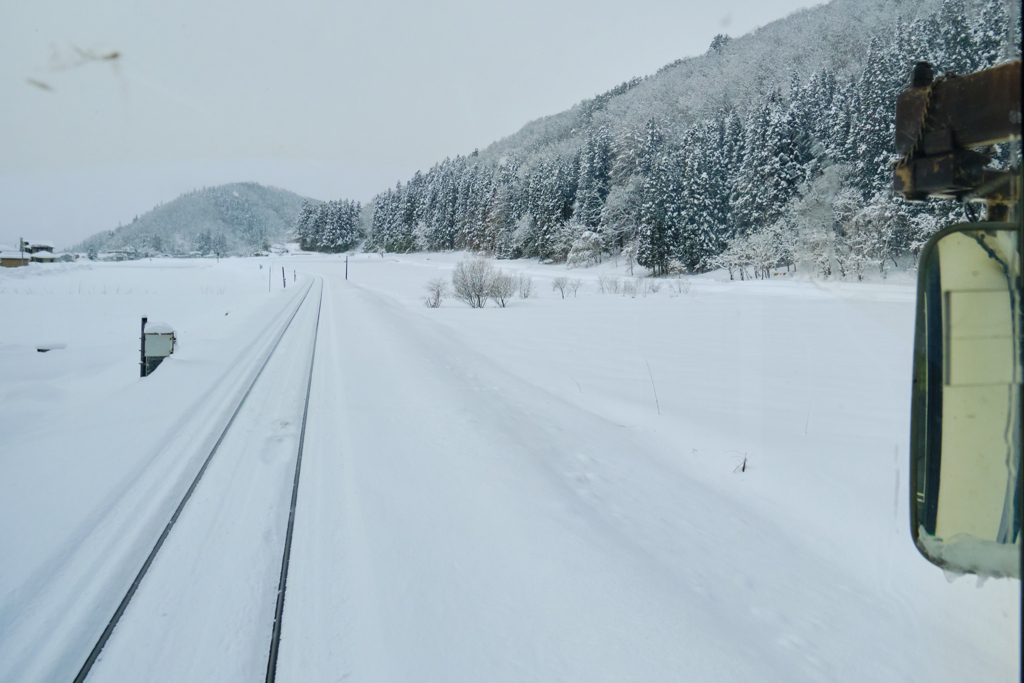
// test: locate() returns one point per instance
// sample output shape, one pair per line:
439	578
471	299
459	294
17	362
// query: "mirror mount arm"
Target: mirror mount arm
940	121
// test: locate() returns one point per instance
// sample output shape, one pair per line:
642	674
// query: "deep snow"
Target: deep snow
95	459
496	494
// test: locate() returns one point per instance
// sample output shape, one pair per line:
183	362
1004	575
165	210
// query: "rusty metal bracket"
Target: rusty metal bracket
939	121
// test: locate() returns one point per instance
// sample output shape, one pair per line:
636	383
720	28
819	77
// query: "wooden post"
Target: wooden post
346	266
270	275
142	354
295	277
284	280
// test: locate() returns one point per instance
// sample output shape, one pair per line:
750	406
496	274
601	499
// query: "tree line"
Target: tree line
798	173
329	226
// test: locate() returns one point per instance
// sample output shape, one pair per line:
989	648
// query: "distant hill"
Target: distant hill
238	218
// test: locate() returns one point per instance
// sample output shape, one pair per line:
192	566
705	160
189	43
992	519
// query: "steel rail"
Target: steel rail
109	630
275	639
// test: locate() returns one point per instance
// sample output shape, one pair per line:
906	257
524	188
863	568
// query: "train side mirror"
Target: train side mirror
965	446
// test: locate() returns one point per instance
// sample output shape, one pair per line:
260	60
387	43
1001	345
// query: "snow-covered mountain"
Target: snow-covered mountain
770	149
237	218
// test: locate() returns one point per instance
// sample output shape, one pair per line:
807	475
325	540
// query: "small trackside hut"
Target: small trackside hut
158	342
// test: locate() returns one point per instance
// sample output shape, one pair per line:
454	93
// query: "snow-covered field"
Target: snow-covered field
551	491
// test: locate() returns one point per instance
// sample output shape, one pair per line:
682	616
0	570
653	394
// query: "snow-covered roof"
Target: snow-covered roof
42	254
4	249
46	244
159	328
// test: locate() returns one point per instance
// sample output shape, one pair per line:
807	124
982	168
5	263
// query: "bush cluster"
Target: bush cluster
474	281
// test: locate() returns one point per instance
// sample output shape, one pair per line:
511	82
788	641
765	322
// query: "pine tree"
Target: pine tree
989	34
733	149
837	124
703	205
746	205
771	165
592	184
657	237
304	228
555	187
875	125
959	50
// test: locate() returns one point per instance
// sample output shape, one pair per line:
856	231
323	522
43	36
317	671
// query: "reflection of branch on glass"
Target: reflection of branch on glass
63	62
89	55
77	57
979	237
39	84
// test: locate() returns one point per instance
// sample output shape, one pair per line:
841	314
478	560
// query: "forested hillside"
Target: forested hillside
240	218
331	226
770	149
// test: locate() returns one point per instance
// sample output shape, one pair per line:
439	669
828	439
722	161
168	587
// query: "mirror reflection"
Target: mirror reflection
967	423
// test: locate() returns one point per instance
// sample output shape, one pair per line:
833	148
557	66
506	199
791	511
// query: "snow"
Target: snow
491	494
94	458
158	328
216	564
966	550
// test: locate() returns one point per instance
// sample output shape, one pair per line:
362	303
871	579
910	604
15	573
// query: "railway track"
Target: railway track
275	638
112	624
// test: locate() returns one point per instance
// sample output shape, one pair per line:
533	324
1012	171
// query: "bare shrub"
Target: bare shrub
645	286
471	281
680	286
437	290
608	284
503	288
575	285
524	285
560	283
640	286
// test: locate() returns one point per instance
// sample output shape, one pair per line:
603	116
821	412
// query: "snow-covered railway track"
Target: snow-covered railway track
255	434
282	584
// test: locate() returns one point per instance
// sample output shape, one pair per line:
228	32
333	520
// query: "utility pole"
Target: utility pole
346	266
284	280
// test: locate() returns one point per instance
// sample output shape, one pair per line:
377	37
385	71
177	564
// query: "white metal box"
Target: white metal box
159	344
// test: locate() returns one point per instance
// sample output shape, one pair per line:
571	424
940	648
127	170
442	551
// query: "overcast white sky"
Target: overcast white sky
328	99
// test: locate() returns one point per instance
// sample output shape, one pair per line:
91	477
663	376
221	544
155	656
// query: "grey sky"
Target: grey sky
329	99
